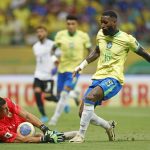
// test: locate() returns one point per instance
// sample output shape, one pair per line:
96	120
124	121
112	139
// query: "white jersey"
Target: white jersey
44	62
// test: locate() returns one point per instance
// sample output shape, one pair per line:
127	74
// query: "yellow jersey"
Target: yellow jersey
72	49
113	54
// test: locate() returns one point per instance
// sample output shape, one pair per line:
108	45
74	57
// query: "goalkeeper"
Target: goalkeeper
11	115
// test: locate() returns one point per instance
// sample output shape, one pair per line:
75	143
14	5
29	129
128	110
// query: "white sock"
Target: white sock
87	114
60	105
70	134
67	102
98	121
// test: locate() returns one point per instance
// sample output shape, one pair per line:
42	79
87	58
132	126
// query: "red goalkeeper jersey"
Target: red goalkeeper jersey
9	124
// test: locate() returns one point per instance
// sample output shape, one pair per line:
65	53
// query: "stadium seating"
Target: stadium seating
18	19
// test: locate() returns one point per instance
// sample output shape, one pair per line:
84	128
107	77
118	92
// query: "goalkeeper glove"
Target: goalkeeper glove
51	136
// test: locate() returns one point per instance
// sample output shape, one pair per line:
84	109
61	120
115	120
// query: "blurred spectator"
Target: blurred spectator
39	7
19	18
5	4
16	3
22	13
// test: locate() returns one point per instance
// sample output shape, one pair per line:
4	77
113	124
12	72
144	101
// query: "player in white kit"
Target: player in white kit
45	62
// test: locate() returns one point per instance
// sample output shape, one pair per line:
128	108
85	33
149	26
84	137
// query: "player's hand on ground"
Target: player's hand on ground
53	137
60	135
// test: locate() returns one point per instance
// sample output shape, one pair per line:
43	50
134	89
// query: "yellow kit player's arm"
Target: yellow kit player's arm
143	53
90	58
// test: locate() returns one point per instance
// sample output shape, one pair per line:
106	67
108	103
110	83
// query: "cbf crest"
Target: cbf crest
109	44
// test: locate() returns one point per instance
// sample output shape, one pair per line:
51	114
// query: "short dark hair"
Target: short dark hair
110	13
41	27
2	102
72	17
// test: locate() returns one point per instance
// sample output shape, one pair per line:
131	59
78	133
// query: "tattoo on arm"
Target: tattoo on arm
143	53
93	55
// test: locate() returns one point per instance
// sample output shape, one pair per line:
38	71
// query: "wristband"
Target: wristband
44	128
83	64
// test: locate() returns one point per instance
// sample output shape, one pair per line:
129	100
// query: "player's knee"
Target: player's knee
91	97
94	96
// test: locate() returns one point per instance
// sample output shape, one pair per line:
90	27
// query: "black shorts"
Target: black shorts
46	85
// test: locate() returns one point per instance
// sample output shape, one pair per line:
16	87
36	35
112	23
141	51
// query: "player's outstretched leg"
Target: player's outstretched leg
59	108
70	134
40	105
51	98
107	125
87	114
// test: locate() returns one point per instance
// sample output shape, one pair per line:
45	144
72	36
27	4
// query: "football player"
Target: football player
112	49
11	115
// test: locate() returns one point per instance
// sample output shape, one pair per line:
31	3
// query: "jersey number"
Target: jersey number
108	56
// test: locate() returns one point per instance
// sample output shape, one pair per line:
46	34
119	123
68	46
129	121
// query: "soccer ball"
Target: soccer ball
26	129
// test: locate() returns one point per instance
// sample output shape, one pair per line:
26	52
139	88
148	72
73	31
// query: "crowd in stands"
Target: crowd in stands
19	18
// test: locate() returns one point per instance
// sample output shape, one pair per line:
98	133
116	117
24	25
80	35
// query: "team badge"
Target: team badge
109	44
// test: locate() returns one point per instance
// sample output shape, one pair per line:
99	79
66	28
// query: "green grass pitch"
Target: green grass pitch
132	131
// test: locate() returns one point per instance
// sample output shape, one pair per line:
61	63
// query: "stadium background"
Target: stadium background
18	19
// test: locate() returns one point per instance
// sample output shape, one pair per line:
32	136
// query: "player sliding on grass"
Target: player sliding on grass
11	115
112	48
